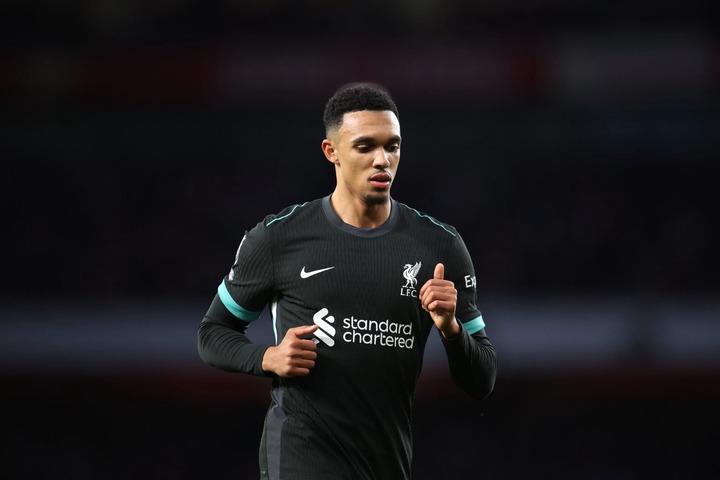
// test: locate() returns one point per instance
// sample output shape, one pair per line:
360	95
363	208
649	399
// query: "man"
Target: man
355	282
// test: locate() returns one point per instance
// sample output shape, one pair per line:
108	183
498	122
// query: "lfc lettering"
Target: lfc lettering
408	292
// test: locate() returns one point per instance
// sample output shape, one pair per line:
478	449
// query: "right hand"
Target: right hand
294	356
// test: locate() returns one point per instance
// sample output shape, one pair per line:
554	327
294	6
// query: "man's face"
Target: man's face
366	152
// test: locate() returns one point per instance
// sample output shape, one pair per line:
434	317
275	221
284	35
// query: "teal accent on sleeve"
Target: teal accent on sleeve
422	215
233	307
474	326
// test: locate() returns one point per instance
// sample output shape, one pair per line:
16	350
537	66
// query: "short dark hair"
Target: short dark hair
355	97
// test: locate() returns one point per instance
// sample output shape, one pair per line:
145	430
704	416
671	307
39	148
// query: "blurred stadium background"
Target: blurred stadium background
573	145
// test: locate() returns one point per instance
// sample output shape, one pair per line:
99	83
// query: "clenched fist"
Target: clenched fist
439	297
294	356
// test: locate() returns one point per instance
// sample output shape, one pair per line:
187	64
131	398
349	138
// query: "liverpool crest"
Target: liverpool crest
410	274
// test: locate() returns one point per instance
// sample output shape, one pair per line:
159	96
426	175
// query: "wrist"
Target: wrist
451	330
267	363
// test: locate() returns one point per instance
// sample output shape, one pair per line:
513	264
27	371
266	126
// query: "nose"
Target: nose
382	159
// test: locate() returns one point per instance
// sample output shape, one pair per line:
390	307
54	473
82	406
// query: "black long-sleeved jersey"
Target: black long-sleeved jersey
351	416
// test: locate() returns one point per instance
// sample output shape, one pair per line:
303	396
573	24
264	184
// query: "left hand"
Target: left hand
439	298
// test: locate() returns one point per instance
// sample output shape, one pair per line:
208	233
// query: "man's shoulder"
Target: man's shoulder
292	213
419	219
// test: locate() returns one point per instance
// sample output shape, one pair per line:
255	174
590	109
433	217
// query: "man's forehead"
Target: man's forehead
380	121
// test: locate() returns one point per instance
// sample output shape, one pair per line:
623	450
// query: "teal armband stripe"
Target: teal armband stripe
474	326
233	307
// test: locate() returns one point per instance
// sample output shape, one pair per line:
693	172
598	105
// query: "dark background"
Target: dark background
573	146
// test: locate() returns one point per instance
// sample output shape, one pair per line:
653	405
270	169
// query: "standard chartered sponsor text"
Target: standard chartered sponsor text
373	332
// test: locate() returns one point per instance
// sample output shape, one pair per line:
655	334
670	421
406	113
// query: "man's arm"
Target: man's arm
473	363
472	359
222	343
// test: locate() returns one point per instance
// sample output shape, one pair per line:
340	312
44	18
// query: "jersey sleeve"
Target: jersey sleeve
460	270
471	356
240	299
222	342
248	287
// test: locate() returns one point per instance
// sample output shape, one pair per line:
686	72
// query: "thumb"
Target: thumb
439	271
303	330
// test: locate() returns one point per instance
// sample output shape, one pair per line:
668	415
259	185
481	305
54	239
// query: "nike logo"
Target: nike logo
304	274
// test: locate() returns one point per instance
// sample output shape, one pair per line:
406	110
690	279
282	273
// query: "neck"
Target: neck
360	213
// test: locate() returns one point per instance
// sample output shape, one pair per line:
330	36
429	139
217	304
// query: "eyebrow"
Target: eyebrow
393	139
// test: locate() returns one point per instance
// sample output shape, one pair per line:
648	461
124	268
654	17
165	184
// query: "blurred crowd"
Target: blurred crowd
573	146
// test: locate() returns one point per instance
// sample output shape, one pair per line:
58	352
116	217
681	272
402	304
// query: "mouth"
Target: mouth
381	180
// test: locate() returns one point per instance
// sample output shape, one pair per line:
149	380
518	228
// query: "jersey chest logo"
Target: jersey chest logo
325	331
304	274
352	330
410	274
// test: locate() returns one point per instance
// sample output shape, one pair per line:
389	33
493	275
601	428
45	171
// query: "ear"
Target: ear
328	148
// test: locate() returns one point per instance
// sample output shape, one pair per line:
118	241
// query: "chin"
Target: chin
376	199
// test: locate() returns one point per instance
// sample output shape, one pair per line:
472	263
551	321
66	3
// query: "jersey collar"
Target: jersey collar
337	222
